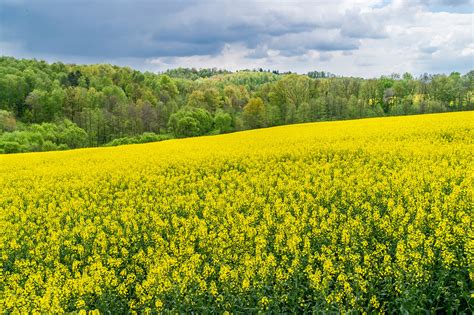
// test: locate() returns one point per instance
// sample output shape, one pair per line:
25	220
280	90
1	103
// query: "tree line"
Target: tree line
59	106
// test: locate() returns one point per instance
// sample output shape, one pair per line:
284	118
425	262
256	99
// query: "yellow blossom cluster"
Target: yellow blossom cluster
365	215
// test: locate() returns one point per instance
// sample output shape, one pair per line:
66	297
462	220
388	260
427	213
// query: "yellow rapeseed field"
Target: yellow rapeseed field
365	215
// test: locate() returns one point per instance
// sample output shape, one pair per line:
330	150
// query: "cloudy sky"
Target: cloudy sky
355	37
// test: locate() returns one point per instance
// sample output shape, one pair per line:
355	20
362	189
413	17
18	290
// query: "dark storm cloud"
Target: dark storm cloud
327	40
285	34
114	29
143	29
357	25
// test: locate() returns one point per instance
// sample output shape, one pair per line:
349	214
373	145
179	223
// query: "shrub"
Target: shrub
11	147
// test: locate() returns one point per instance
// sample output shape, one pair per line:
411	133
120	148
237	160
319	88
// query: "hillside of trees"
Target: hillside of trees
61	106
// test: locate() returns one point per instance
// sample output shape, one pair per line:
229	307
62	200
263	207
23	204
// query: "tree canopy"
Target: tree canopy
58	106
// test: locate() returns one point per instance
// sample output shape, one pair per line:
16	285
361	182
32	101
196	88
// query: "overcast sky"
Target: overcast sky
356	37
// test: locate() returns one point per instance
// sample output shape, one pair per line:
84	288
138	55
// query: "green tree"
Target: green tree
223	121
303	114
71	135
254	113
37	102
191	122
7	121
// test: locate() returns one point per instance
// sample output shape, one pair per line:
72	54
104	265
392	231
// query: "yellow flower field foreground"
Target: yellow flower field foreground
365	215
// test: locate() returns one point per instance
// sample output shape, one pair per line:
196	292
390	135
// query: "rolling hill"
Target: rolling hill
365	215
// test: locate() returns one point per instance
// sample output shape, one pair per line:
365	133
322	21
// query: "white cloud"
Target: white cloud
468	51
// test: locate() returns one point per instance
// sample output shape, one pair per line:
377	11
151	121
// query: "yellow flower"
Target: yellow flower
254	219
158	304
